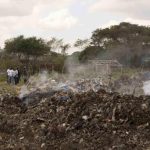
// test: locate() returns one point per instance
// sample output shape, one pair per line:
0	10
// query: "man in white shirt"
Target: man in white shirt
11	75
8	76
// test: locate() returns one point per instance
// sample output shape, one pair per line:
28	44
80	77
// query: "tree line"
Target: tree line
35	53
128	43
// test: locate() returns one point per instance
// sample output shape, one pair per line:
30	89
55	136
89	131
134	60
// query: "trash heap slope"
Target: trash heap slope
92	120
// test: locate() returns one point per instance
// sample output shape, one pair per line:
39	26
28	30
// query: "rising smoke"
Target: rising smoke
146	87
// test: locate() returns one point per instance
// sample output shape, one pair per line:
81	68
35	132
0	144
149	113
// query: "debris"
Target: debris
88	120
85	117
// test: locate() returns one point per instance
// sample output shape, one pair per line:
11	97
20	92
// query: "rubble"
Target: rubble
87	120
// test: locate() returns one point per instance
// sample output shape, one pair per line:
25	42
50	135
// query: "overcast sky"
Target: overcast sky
68	19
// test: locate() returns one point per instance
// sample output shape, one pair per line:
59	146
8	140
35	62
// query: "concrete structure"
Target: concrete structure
104	66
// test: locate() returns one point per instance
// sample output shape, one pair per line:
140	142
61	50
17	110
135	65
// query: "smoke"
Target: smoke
146	87
35	83
89	70
80	78
45	83
24	91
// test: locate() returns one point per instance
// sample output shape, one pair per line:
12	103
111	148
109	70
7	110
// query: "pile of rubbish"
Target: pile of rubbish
35	89
124	85
129	85
84	121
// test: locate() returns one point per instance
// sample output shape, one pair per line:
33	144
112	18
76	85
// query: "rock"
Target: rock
42	145
21	138
43	126
85	117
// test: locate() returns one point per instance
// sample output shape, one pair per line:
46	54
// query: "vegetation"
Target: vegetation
26	46
128	43
36	54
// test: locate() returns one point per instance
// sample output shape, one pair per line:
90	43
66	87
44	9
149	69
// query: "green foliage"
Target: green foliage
26	46
74	57
8	62
90	53
125	33
3	78
81	43
126	42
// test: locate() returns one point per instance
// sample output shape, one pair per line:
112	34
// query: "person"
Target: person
19	75
15	75
8	76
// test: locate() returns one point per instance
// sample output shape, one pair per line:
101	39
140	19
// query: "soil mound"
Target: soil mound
86	121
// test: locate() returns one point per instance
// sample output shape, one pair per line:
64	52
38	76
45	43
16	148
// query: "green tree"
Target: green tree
128	43
26	46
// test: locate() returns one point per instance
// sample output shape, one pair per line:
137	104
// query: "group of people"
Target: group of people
13	76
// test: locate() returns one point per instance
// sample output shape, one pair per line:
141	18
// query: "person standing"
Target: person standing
13	74
16	76
19	75
8	76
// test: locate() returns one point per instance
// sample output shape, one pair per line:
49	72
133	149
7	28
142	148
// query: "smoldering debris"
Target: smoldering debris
75	114
42	86
129	85
89	120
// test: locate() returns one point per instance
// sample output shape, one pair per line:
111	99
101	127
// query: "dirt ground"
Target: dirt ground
87	121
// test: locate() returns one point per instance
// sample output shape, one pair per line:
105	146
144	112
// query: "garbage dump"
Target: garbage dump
129	85
80	114
32	92
87	120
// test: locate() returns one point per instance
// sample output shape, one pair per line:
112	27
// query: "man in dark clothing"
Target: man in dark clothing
17	80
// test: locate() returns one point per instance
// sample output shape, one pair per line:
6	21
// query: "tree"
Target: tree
126	42
82	44
26	46
64	48
55	44
58	45
14	45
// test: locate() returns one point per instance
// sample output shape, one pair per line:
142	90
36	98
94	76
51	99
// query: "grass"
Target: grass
6	88
3	78
125	71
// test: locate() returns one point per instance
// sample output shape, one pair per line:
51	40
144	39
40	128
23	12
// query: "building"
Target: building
104	66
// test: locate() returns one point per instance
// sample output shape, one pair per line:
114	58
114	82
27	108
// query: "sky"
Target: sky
67	19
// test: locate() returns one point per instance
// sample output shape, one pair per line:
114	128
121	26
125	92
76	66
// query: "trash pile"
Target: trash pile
84	121
34	90
129	85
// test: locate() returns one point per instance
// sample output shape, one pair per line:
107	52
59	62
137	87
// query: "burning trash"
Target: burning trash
86	120
75	114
